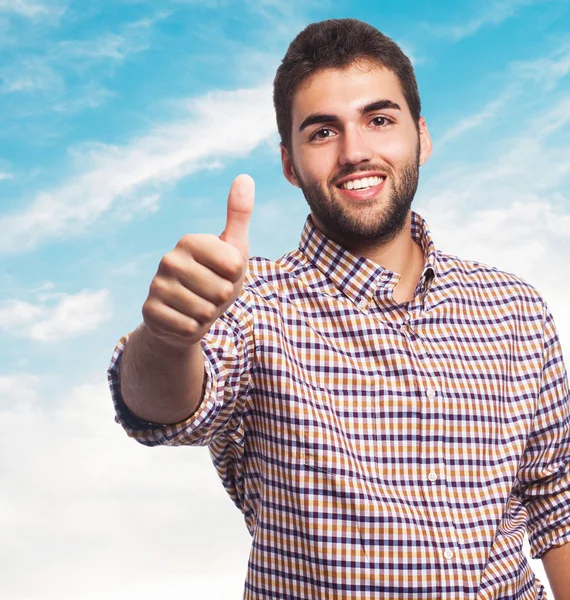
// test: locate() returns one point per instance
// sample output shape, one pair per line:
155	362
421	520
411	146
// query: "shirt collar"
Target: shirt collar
355	276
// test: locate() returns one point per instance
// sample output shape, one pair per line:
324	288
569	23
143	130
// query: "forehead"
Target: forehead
344	91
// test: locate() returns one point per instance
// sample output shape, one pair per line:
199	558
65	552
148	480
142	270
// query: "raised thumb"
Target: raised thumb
240	207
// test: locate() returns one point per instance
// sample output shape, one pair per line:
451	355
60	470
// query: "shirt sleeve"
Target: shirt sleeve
228	354
544	473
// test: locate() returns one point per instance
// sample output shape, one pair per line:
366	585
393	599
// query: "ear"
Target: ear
425	141
287	165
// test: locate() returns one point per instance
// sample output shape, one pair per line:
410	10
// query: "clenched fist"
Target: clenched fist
202	276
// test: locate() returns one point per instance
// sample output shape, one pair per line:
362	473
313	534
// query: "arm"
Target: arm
151	369
557	566
544	470
162	366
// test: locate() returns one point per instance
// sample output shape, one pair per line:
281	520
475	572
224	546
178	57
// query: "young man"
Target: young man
390	419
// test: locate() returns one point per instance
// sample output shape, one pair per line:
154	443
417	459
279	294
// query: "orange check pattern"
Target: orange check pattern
380	450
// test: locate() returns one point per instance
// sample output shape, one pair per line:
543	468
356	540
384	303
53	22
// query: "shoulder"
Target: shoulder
292	271
474	279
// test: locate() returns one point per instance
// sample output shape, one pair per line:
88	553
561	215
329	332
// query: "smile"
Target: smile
361	184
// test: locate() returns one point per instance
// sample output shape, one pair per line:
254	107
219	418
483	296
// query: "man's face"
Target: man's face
355	153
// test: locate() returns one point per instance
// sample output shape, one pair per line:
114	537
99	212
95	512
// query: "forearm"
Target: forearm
160	383
557	566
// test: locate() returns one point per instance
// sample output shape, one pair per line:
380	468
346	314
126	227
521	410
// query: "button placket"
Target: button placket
434	473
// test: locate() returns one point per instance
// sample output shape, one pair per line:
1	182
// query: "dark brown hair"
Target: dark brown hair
338	43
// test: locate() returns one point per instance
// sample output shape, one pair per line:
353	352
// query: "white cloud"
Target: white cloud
48	285
82	502
491	14
17	392
30	74
4	176
109	46
91	96
31	8
474	120
45	71
138	205
110	175
133	266
415	59
544	75
547	70
48	321
15	312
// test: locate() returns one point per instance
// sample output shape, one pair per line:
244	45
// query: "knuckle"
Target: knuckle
186	241
210	238
209	312
149	310
157	288
225	292
201	241
168	263
189	328
234	264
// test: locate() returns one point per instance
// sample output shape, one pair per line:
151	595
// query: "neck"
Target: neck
401	255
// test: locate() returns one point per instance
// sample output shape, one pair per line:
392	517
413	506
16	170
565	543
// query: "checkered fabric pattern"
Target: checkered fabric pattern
381	450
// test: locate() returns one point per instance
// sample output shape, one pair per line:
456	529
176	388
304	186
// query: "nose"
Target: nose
355	147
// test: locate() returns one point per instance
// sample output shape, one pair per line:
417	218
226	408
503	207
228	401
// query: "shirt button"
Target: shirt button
448	554
432	476
362	305
430	394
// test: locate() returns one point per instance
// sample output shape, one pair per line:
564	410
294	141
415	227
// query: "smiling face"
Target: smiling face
355	153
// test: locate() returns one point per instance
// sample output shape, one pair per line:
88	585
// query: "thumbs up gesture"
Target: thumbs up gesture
198	280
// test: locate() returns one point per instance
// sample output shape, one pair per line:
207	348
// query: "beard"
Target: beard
366	223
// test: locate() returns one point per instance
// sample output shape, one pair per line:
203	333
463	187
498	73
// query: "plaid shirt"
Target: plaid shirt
384	450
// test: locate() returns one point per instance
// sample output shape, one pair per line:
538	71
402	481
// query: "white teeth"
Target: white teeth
365	182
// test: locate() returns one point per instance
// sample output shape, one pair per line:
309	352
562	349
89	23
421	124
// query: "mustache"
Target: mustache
353	170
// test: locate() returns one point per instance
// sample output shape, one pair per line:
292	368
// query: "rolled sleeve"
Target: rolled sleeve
544	472
228	351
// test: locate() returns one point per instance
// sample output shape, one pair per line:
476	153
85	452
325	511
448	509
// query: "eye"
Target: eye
381	121
322	134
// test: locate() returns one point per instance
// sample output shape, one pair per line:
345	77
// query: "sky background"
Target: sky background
122	125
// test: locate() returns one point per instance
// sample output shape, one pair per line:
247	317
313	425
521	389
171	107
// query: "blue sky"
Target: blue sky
122	126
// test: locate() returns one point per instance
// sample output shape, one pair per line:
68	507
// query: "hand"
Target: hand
202	276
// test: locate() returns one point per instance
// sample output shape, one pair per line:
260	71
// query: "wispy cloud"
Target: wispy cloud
474	120
132	266
55	316
110	174
45	71
108	46
32	8
490	14
90	96
33	74
543	74
547	71
4	175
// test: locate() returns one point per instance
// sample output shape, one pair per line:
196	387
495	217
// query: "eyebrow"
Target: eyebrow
326	118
